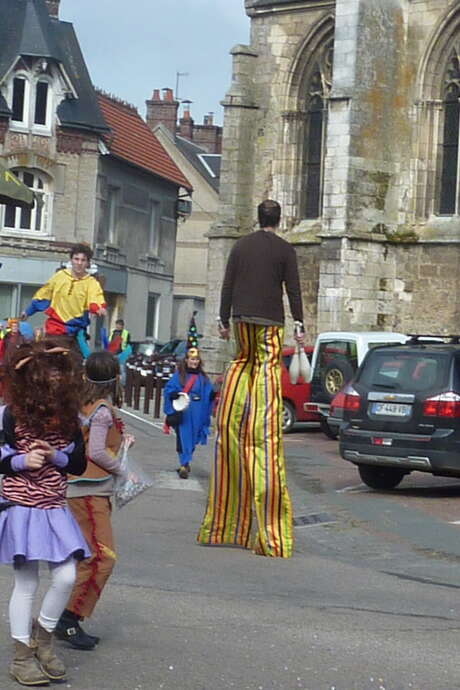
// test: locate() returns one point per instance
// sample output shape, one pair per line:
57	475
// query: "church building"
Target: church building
347	112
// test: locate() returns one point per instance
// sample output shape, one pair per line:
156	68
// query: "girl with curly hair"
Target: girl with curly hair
43	442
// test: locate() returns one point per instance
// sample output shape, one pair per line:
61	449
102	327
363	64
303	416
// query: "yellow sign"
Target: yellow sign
10	177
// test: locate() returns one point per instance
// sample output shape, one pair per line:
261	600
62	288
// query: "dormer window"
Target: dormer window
20	102
31	99
41	102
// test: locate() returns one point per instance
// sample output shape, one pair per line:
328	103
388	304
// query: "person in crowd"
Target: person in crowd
192	423
43	443
11	339
249	467
119	338
89	494
120	345
70	296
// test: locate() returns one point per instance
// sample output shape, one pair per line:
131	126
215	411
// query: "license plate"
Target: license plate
391	409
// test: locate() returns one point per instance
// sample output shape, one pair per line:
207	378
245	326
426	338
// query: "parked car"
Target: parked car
336	357
294	395
146	347
175	348
401	412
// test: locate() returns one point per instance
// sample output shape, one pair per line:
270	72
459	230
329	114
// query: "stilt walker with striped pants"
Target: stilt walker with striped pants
248	478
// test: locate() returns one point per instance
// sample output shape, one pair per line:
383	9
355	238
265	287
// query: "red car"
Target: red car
294	395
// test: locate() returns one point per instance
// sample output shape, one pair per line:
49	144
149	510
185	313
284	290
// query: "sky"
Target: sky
134	46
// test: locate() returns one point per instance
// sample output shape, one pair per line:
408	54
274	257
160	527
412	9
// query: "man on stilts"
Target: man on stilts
248	473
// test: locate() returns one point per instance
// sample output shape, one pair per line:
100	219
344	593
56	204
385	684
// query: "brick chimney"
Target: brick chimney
162	110
186	122
208	135
53	8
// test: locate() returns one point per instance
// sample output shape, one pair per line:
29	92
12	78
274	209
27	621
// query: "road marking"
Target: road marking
454	522
141	419
356	488
170	480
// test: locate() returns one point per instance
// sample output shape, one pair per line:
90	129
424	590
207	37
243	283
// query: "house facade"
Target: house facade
347	112
92	179
196	151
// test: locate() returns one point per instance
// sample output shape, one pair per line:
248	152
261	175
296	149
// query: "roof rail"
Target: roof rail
433	337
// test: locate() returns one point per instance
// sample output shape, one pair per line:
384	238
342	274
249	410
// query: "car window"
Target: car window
334	351
181	349
370	346
168	348
405	371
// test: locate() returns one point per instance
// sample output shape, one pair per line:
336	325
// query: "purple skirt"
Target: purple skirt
36	534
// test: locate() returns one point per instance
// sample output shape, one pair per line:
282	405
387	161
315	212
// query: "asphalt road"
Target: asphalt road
370	600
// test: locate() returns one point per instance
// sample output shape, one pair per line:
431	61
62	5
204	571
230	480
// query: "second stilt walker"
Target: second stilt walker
248	474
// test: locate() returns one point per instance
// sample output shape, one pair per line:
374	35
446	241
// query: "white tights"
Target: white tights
26	579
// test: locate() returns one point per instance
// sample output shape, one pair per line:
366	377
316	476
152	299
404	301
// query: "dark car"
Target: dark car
401	412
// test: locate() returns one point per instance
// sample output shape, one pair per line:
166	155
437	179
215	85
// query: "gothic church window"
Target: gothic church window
449	202
317	91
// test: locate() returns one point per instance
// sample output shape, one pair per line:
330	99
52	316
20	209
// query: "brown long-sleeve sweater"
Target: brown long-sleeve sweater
258	266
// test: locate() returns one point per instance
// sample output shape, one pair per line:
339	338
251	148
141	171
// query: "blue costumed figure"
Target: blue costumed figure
192	423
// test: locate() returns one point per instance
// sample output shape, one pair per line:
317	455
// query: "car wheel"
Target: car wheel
326	429
289	417
380	477
335	376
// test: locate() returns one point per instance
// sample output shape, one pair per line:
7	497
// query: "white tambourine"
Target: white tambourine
182	402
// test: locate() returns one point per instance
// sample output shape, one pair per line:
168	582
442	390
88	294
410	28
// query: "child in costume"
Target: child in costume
89	494
43	442
191	424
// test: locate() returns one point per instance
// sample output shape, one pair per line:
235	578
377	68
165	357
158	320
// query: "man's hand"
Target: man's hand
102	311
35	459
300	338
224	333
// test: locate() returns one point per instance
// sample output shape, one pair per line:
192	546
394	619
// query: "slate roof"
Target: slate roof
207	164
27	29
133	141
4	109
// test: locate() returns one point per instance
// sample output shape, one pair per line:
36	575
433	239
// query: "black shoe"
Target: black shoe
70	630
183	472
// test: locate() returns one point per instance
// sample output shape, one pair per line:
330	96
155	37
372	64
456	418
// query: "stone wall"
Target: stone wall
379	256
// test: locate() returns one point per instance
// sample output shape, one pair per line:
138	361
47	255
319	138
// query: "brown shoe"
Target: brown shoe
50	664
25	668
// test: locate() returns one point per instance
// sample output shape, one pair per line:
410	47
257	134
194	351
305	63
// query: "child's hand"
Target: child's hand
43	446
35	459
129	440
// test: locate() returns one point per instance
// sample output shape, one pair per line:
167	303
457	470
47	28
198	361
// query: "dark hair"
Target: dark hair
182	369
82	249
120	321
269	214
40	402
102	370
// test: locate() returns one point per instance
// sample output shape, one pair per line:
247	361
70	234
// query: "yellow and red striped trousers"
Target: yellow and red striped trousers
248	476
